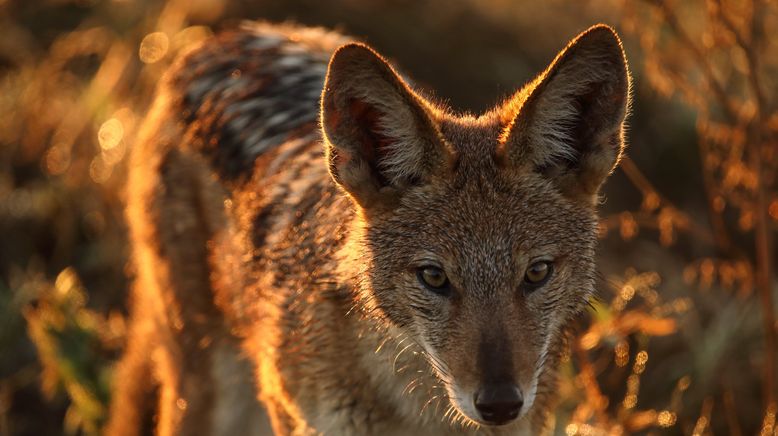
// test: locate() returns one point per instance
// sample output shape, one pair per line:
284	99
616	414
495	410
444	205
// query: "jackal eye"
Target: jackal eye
538	274
434	279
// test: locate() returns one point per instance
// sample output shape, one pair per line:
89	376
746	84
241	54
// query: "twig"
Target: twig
592	388
641	182
733	423
718	89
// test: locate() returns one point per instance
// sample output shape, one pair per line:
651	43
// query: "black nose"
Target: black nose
499	404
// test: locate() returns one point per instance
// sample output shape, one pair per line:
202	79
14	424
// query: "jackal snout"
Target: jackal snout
496	382
498	398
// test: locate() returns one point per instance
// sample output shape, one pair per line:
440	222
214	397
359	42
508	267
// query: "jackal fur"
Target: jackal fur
291	198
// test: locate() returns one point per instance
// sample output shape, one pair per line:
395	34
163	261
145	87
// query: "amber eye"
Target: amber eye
538	273
433	278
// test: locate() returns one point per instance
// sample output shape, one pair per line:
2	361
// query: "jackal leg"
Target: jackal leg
186	213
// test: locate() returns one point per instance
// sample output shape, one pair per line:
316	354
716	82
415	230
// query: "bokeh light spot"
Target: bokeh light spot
110	134
666	418
154	47
58	159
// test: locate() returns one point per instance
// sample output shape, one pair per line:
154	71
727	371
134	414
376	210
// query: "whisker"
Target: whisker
394	364
428	403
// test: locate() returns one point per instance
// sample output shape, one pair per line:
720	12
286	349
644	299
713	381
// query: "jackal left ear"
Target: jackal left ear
570	123
380	137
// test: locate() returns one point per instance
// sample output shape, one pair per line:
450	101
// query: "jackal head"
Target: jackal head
479	232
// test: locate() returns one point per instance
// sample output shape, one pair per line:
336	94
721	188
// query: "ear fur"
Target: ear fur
569	122
380	137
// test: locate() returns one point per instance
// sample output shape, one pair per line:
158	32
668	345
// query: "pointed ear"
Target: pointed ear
571	119
380	137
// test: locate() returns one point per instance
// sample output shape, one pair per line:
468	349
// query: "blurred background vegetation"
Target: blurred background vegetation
682	340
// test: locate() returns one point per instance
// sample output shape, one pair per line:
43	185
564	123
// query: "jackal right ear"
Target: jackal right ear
380	137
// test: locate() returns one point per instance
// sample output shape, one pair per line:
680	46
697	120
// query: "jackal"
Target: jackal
315	238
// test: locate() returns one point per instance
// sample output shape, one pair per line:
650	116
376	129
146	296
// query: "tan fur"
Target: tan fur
300	263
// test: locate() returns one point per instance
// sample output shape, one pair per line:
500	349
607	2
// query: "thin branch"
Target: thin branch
751	56
594	396
641	182
718	89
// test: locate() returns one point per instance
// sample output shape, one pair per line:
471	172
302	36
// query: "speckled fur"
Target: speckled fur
277	261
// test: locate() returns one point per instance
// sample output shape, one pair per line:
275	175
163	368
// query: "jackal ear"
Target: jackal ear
570	123
380	137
